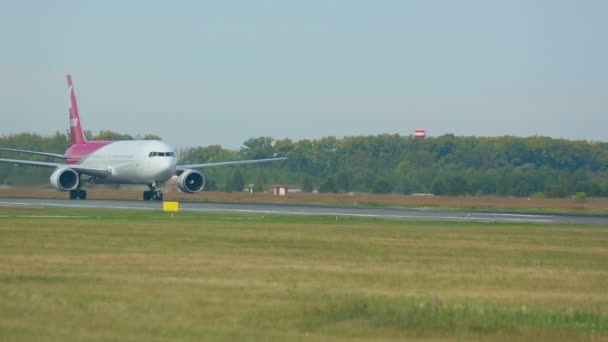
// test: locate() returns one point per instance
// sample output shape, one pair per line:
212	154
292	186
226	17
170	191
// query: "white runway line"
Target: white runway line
515	215
461	218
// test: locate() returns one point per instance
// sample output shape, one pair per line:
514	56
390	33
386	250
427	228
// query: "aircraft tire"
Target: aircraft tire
78	194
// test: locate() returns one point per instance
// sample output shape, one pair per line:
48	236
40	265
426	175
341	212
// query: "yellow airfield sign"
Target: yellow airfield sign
171	206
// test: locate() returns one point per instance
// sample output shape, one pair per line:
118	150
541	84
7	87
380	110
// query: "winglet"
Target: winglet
76	135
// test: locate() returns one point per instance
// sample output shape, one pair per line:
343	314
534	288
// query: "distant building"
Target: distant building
281	190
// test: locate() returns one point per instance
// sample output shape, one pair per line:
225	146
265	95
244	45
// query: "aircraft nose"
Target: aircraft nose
165	168
172	162
169	163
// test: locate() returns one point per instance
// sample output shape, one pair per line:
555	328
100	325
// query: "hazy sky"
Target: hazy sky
219	72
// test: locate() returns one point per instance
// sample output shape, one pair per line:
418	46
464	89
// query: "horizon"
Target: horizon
177	148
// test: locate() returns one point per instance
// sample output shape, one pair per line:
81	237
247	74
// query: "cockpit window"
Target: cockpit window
161	154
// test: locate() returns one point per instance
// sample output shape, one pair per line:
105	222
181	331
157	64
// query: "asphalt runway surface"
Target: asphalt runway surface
408	214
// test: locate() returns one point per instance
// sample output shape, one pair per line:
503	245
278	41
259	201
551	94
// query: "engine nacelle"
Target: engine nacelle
191	181
64	179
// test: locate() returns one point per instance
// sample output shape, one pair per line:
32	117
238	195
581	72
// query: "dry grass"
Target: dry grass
120	275
592	205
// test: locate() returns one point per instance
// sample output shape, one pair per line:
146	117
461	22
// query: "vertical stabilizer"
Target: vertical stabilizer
76	135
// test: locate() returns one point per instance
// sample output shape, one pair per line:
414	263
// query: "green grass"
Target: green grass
145	276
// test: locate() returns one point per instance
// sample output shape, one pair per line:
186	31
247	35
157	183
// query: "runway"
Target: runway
407	214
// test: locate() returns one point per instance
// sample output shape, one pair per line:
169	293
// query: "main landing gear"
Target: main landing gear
154	194
78	194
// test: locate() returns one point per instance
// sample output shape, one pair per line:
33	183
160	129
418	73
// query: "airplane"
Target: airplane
147	162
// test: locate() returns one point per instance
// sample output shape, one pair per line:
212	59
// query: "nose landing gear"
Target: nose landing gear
155	194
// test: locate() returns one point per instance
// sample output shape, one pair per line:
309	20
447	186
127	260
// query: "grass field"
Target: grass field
144	276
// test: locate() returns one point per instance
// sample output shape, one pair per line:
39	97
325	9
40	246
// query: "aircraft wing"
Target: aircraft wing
54	155
227	163
91	171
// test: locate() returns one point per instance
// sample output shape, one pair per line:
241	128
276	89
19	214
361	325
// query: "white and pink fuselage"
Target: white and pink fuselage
126	162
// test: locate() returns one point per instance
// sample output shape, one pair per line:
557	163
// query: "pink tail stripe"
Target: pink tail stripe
76	134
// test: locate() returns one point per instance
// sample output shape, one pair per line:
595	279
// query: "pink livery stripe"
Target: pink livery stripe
77	153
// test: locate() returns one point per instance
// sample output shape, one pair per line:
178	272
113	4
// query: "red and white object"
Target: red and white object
419	133
281	191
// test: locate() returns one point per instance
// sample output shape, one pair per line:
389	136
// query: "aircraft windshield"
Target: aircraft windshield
161	154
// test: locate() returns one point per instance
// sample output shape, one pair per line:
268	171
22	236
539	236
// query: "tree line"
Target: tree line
386	163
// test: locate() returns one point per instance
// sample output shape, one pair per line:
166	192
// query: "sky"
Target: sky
198	73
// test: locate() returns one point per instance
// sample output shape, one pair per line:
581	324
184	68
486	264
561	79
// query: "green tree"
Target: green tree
439	187
258	148
210	185
382	186
405	185
261	183
503	166
456	185
112	136
344	181
329	185
307	185
235	182
148	137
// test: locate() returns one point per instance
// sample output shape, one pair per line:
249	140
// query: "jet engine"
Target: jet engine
64	179
191	181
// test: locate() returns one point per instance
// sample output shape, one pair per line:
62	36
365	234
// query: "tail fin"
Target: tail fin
76	135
